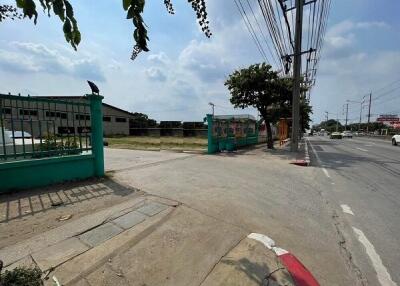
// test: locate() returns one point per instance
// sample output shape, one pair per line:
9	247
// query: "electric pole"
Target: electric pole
337	122
347	114
369	110
296	75
326	121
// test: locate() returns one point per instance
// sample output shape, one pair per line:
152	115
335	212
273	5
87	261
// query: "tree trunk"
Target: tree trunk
270	143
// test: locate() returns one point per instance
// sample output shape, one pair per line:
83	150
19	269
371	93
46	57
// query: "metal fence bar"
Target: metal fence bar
2	128
33	127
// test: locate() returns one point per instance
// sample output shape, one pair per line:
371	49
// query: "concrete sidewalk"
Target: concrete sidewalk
148	241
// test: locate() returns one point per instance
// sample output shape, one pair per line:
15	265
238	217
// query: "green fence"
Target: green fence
229	132
44	141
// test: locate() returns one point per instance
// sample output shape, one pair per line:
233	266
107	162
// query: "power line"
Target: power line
250	29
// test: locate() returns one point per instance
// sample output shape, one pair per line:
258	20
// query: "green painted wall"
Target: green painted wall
230	142
41	172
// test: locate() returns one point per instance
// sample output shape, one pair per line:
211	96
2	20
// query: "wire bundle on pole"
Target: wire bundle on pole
272	27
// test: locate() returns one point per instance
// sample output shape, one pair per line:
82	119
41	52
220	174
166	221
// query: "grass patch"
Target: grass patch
157	143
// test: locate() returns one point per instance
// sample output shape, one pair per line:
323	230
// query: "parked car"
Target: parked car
396	139
347	134
336	135
21	134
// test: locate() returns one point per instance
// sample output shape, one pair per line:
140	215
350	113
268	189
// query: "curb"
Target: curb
306	161
300	274
307	154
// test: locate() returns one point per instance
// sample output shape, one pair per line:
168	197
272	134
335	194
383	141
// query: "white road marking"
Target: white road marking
361	149
319	160
346	209
381	271
267	241
326	172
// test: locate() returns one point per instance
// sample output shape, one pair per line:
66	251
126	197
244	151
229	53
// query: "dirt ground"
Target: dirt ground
158	143
26	213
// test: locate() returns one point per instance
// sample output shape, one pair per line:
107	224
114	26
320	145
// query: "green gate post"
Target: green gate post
96	114
212	145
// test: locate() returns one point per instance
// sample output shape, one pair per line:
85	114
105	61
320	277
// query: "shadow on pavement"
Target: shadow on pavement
20	204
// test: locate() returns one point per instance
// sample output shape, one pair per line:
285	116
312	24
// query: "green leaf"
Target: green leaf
126	4
68	9
67	28
131	13
58	8
77	37
20	3
29	9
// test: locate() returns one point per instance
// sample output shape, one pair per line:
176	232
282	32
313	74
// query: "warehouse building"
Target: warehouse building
63	118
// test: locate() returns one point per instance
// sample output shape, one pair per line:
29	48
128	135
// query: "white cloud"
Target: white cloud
31	57
160	58
154	73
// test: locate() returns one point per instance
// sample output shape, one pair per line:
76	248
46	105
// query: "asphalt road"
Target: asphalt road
362	176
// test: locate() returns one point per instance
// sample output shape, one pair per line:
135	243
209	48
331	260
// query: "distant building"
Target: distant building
60	119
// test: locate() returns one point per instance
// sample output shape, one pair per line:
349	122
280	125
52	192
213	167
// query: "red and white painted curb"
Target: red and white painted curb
306	161
300	274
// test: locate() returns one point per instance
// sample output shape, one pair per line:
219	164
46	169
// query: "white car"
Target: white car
347	134
396	139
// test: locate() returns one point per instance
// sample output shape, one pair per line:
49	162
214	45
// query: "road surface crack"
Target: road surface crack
346	253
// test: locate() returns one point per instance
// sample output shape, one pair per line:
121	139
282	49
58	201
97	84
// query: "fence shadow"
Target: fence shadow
30	202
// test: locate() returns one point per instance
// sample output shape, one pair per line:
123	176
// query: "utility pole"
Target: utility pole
326	121
347	114
369	111
337	122
296	75
361	107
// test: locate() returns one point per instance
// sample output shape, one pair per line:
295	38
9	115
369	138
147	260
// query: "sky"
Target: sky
184	70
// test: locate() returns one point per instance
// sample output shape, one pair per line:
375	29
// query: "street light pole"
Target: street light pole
213	106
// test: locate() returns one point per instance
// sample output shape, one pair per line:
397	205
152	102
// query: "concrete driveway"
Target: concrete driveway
255	190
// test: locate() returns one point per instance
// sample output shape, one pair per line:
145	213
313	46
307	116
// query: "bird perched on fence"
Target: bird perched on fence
93	87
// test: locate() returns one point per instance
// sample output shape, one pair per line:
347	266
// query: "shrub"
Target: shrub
21	276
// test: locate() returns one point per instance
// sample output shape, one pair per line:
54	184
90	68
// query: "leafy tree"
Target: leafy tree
63	9
260	87
142	120
329	126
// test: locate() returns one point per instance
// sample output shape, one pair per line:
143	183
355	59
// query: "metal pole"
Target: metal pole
347	114
369	111
359	125
296	76
337	122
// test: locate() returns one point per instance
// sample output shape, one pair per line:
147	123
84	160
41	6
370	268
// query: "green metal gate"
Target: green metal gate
44	141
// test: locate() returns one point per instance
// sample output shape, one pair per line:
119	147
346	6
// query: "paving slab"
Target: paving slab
27	261
76	269
59	253
100	234
13	253
129	220
151	209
